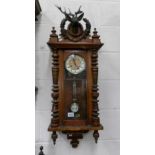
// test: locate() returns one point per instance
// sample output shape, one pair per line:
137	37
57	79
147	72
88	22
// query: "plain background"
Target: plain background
105	16
17	65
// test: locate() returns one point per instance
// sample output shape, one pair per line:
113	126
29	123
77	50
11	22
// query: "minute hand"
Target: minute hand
75	63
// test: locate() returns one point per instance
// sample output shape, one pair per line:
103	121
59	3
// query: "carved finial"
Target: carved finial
95	32
54	137
53	32
96	135
53	36
41	151
95	36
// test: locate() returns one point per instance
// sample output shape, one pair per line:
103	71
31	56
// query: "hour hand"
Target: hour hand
74	61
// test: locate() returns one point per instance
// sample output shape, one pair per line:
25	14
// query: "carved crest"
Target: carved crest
74	31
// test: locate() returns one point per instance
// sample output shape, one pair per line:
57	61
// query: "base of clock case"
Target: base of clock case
74	133
75	128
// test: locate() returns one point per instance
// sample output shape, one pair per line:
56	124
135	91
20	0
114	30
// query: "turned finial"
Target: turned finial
95	32
53	32
41	151
95	36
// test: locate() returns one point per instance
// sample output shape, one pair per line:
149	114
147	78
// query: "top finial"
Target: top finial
95	32
53	32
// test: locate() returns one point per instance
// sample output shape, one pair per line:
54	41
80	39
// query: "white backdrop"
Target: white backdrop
104	15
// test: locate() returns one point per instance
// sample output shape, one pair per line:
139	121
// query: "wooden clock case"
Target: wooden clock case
73	40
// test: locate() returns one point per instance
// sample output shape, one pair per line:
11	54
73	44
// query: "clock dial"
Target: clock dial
74	107
75	64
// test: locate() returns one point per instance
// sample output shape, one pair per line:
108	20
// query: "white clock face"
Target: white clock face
75	64
74	107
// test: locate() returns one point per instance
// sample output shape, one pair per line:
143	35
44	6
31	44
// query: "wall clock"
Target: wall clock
75	79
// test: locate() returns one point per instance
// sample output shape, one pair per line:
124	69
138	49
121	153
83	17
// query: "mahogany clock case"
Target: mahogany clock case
78	42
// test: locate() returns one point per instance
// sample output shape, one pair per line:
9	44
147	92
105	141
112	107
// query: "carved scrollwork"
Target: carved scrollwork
74	31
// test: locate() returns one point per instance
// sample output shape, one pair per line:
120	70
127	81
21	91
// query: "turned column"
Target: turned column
95	94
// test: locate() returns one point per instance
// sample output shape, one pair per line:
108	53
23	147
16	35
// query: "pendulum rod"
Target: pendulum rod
74	91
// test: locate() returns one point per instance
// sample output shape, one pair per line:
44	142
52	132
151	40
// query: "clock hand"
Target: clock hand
74	61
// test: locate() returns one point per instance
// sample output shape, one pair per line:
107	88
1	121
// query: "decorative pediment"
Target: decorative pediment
74	31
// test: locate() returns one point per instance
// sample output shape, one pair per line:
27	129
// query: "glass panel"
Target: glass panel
75	96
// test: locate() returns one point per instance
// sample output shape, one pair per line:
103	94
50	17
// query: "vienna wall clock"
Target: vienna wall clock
75	78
